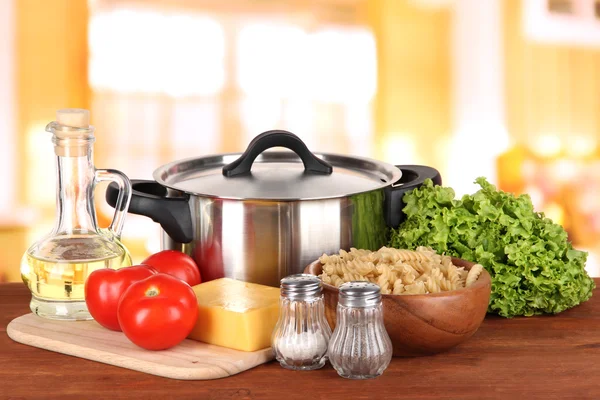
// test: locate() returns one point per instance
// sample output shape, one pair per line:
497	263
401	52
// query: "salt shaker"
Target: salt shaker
360	347
301	336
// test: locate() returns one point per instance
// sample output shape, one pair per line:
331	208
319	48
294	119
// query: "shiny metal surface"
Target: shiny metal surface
265	241
277	175
359	294
301	287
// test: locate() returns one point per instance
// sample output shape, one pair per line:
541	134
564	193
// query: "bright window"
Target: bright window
315	83
7	109
149	52
566	22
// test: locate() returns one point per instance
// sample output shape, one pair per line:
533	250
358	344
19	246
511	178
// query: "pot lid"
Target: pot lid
277	175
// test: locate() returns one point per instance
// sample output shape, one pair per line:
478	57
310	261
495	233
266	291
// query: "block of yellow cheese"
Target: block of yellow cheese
236	314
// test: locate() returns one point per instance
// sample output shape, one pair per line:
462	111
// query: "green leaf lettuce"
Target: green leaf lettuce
534	267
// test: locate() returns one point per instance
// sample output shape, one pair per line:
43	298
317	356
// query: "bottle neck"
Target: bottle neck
75	192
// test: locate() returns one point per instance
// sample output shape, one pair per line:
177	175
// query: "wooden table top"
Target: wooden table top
550	357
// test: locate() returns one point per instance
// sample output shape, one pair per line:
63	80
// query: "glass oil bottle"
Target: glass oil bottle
55	267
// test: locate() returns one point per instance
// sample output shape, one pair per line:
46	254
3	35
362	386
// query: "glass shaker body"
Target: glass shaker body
301	336
360	347
56	266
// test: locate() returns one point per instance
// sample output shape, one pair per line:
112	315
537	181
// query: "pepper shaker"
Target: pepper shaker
360	347
301	336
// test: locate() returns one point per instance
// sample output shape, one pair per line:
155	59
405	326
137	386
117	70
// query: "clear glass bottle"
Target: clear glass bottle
55	267
301	336
360	347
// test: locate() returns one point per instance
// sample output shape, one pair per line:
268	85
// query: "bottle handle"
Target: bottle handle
123	200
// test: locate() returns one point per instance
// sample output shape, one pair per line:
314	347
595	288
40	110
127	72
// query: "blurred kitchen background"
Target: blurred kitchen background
508	89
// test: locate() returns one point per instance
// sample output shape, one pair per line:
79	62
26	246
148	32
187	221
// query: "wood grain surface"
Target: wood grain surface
550	357
87	339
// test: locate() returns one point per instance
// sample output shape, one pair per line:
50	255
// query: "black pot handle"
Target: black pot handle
413	176
276	138
149	199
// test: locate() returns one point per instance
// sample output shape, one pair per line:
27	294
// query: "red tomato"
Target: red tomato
103	290
158	312
176	263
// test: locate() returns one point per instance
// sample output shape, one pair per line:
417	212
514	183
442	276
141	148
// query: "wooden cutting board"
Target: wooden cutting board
189	360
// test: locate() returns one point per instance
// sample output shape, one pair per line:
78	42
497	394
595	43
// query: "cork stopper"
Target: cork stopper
73	117
72	132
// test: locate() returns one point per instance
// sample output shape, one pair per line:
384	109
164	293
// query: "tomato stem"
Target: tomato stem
151	292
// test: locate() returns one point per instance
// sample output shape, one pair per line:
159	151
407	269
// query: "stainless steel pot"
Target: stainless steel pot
260	216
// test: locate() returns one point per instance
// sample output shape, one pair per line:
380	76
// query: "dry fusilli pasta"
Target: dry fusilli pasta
473	274
419	271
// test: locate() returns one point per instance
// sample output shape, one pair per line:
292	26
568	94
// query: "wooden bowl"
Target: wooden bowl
424	324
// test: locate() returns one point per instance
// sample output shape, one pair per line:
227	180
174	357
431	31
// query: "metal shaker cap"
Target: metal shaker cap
359	294
301	287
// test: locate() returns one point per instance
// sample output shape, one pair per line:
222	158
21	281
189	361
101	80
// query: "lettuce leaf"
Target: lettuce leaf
534	267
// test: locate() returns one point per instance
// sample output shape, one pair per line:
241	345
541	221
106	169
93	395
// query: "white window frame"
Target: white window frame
581	29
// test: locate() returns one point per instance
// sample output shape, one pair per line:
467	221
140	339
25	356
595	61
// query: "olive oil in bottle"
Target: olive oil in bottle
55	267
57	280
